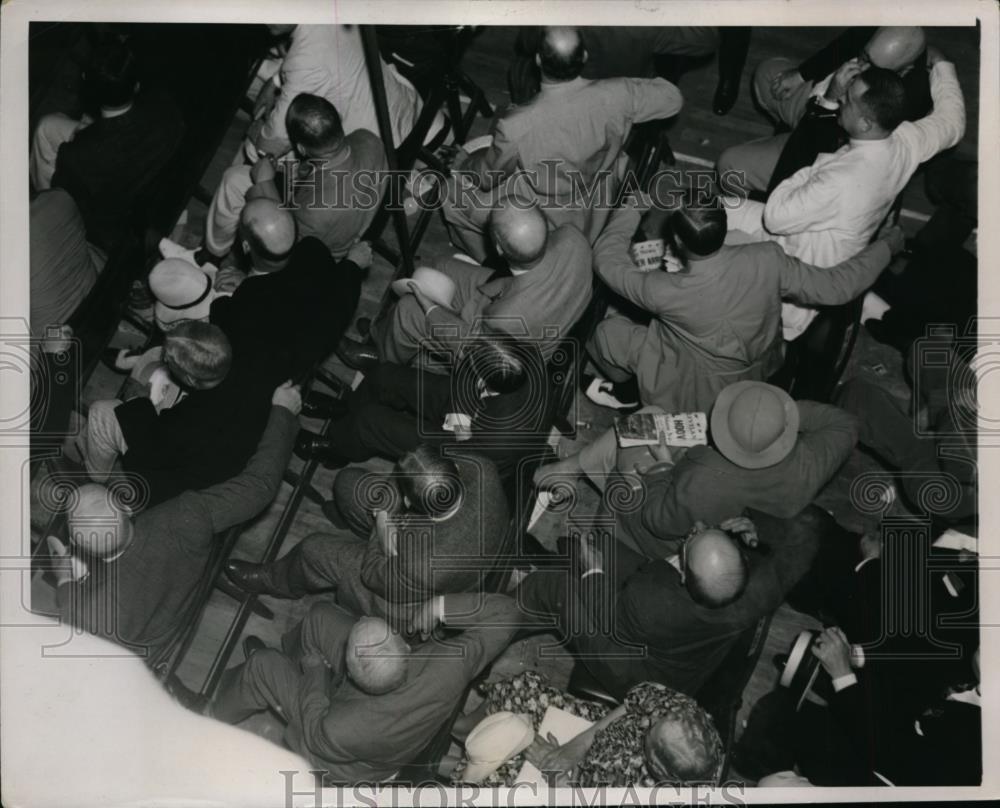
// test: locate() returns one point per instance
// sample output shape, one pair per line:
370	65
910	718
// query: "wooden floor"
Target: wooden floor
698	134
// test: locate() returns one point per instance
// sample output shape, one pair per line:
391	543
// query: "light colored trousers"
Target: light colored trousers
52	131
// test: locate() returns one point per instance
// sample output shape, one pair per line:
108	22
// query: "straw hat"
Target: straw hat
754	425
494	741
182	290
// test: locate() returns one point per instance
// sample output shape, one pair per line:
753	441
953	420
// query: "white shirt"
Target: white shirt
828	212
329	61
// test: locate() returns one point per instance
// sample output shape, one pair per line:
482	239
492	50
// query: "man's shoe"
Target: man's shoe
252	643
250	577
726	94
322	405
309	446
358	355
186	697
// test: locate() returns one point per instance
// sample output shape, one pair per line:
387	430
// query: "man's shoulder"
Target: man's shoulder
367	150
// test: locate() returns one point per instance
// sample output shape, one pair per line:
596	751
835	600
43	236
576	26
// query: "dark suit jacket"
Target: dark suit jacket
139	598
658	632
818	132
110	166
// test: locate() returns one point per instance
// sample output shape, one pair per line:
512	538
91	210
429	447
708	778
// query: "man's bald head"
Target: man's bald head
562	54
895	47
716	571
376	656
267	231
96	524
520	231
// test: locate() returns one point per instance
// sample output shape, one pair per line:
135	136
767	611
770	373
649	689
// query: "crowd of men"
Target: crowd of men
693	546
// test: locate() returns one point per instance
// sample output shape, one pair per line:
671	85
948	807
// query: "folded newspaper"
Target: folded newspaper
648	428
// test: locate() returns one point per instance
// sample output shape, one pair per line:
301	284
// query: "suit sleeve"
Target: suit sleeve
494	164
244	496
802	202
815	286
827	435
396	578
945	126
489	621
844	47
653	99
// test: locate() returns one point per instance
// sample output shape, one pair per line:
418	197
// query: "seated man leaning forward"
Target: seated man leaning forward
718	320
496	402
334	189
438	524
767	452
672	620
548	289
358	701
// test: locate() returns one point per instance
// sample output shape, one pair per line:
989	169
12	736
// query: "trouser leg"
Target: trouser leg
104	440
320	561
268	679
227	205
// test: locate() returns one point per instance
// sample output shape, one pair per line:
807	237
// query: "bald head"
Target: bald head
562	54
895	47
520	231
96	525
268	231
376	656
715	570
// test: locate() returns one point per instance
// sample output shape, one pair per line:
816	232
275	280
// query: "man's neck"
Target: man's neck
869	137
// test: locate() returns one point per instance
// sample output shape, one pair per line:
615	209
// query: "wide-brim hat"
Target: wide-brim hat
494	741
183	291
750	412
435	285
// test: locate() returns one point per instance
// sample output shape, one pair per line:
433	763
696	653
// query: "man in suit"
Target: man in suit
144	570
359	702
108	165
438	526
717	321
672	619
564	147
281	319
548	289
334	189
496	402
768	453
799	98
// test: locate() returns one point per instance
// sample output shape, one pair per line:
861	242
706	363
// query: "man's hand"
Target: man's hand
228	280
935	55
660	451
385	534
77	566
894	238
452	156
264	170
424	619
590	557
289	396
842	79
361	254
743	526
548	756
785	82
834	652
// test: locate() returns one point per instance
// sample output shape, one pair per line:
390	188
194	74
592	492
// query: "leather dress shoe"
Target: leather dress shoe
322	405
358	355
252	643
309	446
185	696
249	577
726	93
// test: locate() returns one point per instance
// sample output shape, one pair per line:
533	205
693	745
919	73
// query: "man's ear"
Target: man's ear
406	501
245	246
865	124
538	60
586	56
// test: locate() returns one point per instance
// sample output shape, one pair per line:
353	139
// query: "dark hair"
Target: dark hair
112	75
701	230
559	64
314	122
499	360
885	99
429	481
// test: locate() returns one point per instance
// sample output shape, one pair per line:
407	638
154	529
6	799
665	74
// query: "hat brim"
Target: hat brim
477	771
167	316
728	446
